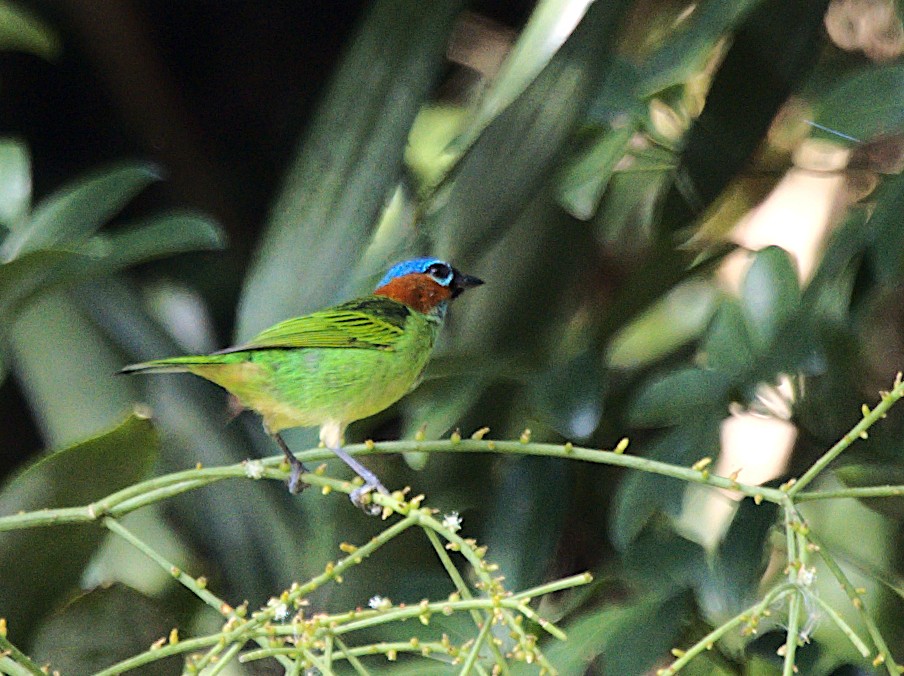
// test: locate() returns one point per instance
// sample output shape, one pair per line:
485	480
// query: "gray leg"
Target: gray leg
295	484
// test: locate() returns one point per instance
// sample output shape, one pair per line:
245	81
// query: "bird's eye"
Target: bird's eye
441	272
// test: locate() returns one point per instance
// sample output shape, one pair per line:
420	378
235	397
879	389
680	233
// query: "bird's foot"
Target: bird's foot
294	482
369	508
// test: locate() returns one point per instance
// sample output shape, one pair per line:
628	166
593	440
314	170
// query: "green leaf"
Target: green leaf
123	623
503	170
677	396
15	182
865	103
569	395
73	476
643	494
687	49
770	295
628	639
22	31
73	213
663	560
525	509
587	176
154	237
732	580
550	25
727	345
66	367
348	163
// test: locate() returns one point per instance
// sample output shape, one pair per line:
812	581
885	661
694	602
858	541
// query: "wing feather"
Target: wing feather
373	322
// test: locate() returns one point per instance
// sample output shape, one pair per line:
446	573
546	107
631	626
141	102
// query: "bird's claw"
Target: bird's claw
294	482
369	508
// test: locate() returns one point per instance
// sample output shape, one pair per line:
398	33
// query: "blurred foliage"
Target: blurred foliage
582	177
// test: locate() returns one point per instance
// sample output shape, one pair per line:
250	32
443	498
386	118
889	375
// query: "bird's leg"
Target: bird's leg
295	484
331	436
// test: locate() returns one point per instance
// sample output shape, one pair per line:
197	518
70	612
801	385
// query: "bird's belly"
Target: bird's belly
311	386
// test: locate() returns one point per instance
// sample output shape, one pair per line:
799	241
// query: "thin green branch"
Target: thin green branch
859	431
856	493
460	585
744	617
884	654
166	486
839	621
8	649
198	589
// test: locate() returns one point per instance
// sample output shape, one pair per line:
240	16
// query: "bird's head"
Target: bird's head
424	284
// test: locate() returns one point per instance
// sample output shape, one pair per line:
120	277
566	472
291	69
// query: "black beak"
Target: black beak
460	282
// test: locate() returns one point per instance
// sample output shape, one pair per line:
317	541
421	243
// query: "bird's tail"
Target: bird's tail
170	365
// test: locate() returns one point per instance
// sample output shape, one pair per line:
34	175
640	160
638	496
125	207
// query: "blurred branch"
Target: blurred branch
310	640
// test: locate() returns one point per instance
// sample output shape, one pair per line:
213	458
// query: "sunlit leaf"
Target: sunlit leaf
70	477
511	160
691	44
73	213
549	26
587	176
15	182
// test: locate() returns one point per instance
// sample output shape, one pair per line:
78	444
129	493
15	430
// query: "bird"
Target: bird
336	365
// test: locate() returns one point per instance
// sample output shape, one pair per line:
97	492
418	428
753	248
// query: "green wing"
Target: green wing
372	322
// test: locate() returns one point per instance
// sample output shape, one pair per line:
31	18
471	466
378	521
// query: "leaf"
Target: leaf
587	176
773	49
677	396
886	247
20	30
123	623
770	295
526	507
348	164
688	48
503	170
732	580
627	639
76	475
66	369
643	494
727	345
569	395
663	560
71	214
550	25
865	103
15	181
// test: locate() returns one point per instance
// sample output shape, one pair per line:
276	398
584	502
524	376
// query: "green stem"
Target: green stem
856	600
741	618
186	580
857	432
888	491
473	653
463	589
8	649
